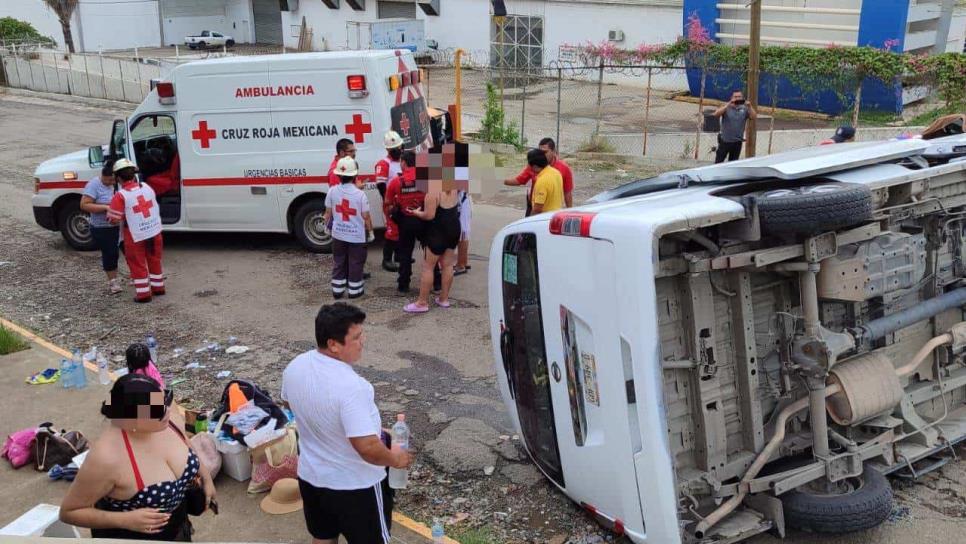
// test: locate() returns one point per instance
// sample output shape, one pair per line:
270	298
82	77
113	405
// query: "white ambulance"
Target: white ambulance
248	142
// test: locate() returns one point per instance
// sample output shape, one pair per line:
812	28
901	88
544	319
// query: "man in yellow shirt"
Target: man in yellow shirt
548	192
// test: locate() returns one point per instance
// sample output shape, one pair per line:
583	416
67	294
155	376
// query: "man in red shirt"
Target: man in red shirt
549	147
343	148
403	194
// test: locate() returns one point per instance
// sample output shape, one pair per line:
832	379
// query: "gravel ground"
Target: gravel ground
263	290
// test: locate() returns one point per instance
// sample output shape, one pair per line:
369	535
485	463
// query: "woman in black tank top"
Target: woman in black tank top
134	481
441	235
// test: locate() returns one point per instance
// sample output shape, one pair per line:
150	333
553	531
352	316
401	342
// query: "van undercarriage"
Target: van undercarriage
812	348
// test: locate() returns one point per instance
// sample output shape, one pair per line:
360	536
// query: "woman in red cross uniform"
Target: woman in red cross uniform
136	207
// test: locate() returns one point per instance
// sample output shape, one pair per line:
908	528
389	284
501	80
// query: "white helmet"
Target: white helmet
392	140
121	164
347	166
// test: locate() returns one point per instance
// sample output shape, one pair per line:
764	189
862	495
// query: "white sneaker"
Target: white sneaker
115	286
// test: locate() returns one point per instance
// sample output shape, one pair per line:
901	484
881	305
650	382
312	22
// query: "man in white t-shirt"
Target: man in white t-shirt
347	207
342	459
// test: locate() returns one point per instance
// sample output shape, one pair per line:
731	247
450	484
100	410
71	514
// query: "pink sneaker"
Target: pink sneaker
413	308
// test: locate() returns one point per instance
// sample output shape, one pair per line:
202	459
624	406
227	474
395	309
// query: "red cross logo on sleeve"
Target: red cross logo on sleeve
143	206
358	129
404	124
345	209
204	134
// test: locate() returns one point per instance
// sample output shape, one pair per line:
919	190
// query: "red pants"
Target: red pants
144	261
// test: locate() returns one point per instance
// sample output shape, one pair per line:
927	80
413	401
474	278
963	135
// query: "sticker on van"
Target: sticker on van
510	268
589	365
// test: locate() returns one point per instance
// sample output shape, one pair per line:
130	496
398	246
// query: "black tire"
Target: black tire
192	46
867	505
230	43
202	45
75	227
812	209
309	229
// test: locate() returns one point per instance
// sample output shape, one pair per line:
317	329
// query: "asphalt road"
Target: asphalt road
265	290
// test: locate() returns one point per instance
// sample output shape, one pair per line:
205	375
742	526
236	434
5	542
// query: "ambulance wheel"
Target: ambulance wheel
310	228
75	226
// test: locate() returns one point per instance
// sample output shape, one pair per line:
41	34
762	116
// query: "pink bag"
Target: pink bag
204	446
19	447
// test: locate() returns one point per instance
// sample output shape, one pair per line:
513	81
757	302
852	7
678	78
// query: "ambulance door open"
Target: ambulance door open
154	146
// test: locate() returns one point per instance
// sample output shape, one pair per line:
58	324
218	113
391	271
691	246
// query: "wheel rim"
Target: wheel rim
779	193
314	228
824	488
820	189
79	227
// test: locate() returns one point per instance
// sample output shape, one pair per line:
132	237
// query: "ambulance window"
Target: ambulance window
151	126
525	356
575	374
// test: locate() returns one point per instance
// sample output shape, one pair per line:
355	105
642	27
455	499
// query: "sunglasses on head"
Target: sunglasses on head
128	405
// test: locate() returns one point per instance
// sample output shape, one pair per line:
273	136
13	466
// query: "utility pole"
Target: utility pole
753	64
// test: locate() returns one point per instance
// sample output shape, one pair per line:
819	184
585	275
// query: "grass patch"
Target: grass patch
596	144
10	342
479	535
928	117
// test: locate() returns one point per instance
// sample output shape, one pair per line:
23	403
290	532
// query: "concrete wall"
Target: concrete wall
957	31
843	37
118	24
230	17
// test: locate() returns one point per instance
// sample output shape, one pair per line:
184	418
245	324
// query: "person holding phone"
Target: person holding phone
734	116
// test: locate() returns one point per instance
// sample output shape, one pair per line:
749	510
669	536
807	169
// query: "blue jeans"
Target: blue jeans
107	240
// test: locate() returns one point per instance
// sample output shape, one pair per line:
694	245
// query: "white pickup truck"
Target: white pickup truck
208	38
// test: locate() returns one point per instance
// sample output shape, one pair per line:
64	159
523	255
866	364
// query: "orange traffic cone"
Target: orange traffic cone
236	399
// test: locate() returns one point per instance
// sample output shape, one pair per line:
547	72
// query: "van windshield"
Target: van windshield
411	121
525	354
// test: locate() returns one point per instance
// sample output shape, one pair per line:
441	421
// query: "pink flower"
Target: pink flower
889	44
696	32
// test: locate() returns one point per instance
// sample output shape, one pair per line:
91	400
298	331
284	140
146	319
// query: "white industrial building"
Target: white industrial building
124	24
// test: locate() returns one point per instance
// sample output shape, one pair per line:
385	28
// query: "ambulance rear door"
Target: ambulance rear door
228	141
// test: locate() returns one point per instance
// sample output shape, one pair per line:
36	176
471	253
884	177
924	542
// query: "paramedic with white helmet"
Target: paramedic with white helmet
386	169
136	207
347	206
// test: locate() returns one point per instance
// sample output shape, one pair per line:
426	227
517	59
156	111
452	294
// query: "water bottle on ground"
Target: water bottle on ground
437	532
80	376
66	377
103	373
152	343
399	477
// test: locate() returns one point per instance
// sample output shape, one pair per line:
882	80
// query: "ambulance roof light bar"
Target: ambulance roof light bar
572	223
166	93
357	86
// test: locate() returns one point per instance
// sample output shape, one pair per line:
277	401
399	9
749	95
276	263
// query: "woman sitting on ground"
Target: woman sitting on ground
134	482
139	362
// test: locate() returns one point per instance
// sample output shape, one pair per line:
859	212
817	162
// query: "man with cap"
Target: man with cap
136	206
347	206
387	169
843	135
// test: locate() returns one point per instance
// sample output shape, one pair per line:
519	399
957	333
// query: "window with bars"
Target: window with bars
517	43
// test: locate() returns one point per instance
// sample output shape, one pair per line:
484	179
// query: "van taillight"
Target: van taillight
166	93
36	185
357	86
571	223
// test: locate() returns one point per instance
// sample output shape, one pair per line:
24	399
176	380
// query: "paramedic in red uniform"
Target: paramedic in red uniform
347	206
343	148
401	196
387	169
549	147
136	207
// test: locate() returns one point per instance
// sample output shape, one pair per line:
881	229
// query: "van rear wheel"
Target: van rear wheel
310	229
811	209
75	227
853	504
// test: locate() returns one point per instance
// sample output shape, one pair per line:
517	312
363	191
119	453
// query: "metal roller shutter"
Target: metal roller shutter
397	10
268	21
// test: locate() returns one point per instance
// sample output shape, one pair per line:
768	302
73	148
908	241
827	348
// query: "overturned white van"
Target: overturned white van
733	349
248	142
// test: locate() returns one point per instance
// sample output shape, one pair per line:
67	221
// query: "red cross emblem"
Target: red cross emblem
404	124
358	129
345	209
143	207
204	134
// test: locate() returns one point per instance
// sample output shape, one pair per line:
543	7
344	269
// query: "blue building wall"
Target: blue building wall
879	22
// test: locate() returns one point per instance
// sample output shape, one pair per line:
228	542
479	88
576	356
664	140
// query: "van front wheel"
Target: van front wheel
310	229
75	227
853	504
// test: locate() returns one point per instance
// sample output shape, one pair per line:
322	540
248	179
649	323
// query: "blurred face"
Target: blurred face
141	412
108	180
737	95
349	152
350	350
550	153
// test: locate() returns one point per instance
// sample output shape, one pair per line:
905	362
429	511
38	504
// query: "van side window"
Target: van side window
155	143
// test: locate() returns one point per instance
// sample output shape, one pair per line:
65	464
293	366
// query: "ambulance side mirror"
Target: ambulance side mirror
95	156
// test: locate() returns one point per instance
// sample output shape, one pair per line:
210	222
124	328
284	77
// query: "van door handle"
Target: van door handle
259	191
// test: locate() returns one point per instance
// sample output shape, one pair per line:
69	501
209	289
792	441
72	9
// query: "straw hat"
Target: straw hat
284	498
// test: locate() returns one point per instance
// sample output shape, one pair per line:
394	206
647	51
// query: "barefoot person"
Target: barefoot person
342	459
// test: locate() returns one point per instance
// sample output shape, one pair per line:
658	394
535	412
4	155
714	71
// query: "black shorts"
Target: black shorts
362	516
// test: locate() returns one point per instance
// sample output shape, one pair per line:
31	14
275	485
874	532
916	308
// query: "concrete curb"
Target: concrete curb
83	100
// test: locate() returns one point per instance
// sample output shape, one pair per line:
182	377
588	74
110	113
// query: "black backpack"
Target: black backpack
262	399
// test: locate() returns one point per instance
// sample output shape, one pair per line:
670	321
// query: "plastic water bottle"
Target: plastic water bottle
437	532
399	477
103	373
152	344
80	376
66	375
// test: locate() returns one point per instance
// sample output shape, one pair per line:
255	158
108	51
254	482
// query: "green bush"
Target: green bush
494	127
10	342
16	30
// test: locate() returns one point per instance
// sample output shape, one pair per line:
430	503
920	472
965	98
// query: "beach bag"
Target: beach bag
18	447
273	461
203	445
57	448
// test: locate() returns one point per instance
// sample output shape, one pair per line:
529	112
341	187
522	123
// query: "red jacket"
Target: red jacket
403	194
334	179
